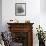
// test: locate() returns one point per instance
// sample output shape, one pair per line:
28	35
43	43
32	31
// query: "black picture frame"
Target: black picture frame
20	9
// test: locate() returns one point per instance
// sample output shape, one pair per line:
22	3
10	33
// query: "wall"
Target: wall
43	6
33	13
0	15
43	14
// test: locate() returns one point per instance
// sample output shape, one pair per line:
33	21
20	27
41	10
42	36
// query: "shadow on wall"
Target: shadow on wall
43	6
0	15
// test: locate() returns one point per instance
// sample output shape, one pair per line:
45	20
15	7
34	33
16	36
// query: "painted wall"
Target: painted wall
43	6
33	13
0	15
43	14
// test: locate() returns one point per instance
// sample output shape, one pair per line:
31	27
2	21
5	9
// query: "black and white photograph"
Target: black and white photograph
20	9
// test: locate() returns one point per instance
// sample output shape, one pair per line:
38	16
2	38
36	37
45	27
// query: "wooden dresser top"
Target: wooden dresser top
19	23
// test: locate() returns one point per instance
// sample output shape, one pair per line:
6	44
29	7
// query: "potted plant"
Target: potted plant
41	36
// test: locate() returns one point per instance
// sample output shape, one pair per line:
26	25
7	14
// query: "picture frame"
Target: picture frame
20	9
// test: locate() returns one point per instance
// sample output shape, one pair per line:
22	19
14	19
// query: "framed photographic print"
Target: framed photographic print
20	9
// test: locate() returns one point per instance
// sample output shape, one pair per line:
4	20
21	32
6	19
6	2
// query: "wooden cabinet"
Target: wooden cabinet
22	33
